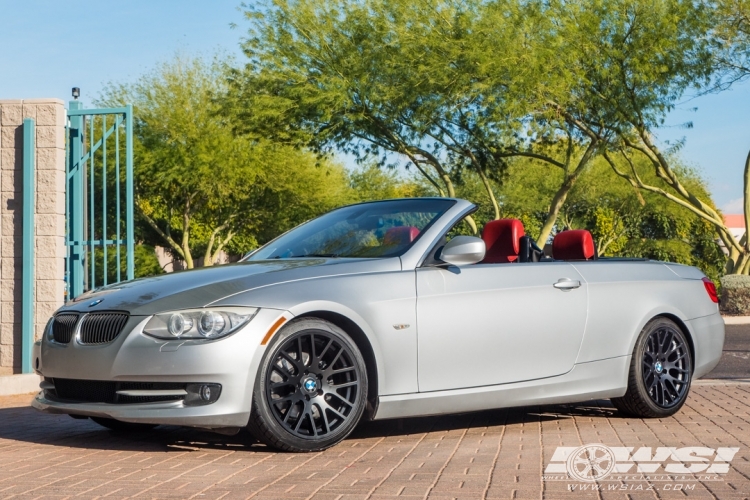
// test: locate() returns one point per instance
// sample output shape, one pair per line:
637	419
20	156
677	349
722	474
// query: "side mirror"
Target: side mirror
463	251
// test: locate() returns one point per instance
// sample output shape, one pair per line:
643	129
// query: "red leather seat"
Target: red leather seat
400	235
503	240
575	244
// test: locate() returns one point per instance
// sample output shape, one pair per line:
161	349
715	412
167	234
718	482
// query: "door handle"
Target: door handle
566	284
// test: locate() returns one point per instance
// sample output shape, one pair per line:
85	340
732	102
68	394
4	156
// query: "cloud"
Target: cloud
735	206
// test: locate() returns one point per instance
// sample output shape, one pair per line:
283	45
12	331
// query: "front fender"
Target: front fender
382	305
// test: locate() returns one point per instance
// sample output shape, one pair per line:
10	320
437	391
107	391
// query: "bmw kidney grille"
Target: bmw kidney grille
63	327
101	328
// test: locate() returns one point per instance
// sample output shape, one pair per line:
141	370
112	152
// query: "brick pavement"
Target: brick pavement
491	454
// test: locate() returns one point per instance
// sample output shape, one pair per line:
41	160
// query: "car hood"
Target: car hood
201	287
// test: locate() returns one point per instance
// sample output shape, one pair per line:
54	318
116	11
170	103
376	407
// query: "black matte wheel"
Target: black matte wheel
311	388
660	372
120	426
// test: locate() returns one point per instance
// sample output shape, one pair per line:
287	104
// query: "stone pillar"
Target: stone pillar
49	220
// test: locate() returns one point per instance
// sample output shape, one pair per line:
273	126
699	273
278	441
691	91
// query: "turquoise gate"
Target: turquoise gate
99	197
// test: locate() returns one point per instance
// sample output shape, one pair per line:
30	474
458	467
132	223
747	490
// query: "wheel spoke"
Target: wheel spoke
335	412
293	361
343	370
276	385
301	418
296	407
336	358
351	405
325	349
299	351
312	423
289	412
347	384
666	343
324	417
294	397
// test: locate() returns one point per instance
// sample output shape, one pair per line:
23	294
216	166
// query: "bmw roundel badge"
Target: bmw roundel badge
97	301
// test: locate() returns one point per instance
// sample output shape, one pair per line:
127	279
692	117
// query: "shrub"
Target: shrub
735	294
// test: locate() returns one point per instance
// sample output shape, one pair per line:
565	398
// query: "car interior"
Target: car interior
506	242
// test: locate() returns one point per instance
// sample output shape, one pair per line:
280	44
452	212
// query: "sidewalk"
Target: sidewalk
492	454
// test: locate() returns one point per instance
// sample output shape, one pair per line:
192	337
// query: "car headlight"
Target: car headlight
199	323
48	330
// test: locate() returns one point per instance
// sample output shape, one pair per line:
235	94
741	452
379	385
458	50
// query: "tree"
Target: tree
371	182
199	187
733	37
623	221
420	79
632	61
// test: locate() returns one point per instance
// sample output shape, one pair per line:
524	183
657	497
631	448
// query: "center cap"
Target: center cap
310	385
658	367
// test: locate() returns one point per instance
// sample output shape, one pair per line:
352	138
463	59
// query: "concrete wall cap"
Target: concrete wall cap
48	100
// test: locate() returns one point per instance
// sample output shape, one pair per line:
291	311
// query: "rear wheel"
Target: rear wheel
120	426
311	388
660	372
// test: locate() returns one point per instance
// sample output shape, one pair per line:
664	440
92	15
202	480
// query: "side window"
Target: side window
461	228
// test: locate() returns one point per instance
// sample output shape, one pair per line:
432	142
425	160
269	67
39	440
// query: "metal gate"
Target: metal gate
99	197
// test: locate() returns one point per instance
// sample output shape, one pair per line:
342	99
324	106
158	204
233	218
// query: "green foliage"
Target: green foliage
732	281
733	33
201	189
145	262
422	79
735	294
623	221
534	109
371	182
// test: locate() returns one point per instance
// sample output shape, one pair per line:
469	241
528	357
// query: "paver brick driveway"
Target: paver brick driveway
491	454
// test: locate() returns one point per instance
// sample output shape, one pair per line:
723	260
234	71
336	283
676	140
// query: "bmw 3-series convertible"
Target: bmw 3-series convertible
382	310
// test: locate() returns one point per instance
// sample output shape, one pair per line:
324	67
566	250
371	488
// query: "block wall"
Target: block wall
49	115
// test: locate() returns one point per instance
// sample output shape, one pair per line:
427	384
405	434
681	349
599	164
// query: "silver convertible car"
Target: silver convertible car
382	310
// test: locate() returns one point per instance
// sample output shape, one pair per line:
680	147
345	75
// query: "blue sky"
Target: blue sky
50	46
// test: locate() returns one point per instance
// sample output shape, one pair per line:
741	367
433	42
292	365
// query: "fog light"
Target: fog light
206	393
201	394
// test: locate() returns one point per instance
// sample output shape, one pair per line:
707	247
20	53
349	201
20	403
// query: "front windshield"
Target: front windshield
377	229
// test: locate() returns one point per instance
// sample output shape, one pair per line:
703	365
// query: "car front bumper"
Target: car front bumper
231	362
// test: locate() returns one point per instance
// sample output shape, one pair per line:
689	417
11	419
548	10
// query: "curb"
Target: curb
12	385
736	320
721	381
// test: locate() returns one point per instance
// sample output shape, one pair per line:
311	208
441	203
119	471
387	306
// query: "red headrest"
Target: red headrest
576	244
400	235
502	239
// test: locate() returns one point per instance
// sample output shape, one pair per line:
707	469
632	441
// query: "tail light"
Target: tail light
711	289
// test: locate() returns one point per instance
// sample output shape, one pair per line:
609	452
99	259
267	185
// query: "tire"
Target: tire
660	372
311	388
119	426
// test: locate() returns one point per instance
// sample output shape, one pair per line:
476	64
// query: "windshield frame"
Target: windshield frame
450	203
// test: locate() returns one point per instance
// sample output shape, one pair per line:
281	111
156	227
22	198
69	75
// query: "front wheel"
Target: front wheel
660	372
311	388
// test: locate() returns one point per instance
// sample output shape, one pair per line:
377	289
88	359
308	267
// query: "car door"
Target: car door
488	324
